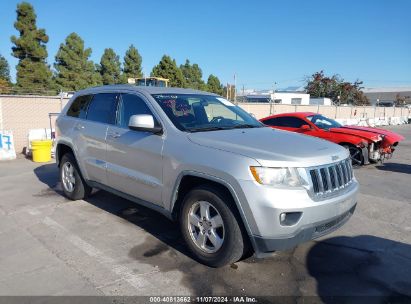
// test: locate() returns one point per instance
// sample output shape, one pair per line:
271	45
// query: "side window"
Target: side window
79	107
271	122
293	122
131	105
288	122
103	108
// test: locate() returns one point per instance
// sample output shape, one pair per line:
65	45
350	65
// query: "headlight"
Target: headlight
288	177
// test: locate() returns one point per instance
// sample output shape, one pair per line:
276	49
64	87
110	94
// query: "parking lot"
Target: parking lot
110	246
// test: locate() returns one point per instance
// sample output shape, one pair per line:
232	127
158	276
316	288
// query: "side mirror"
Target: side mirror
305	127
144	122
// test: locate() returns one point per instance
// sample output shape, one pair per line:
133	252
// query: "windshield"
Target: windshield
196	113
323	122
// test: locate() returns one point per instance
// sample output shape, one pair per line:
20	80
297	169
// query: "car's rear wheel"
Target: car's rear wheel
211	228
357	159
73	184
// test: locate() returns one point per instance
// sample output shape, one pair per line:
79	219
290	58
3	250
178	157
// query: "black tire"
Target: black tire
235	241
357	159
81	189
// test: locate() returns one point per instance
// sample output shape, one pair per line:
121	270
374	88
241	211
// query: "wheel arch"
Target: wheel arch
189	180
61	149
363	150
346	143
64	147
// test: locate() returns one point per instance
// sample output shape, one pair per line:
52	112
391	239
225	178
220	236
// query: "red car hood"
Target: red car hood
370	133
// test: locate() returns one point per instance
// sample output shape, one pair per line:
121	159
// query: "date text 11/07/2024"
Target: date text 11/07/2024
203	299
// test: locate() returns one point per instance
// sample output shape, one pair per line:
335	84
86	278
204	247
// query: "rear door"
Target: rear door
134	158
90	135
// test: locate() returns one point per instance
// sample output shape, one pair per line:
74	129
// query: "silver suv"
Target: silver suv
234	185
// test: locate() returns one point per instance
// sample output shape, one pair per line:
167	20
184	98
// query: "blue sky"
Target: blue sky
262	42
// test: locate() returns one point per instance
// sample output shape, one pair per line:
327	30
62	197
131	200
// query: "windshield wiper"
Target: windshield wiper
215	128
241	126
206	129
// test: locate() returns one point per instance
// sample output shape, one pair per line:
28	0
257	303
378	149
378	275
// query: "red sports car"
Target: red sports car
364	143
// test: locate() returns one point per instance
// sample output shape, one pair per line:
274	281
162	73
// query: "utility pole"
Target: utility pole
271	99
235	90
228	88
61	101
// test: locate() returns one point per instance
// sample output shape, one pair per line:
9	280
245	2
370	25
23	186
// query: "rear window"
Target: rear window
103	108
79	107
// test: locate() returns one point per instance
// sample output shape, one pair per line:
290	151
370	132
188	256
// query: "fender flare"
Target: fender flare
220	181
68	144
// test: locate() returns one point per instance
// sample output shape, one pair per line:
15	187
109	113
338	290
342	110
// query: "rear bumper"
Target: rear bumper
313	231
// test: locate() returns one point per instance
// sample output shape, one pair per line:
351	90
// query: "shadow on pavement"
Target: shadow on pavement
395	167
348	267
153	222
343	267
49	175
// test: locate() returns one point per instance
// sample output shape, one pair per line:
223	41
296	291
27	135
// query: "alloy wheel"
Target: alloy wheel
356	156
206	227
67	177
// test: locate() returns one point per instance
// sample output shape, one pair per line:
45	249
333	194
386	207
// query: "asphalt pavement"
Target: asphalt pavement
106	245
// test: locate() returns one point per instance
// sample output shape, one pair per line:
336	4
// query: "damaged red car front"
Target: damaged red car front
381	143
364	143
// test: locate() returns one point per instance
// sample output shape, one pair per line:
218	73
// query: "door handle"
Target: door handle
79	127
114	135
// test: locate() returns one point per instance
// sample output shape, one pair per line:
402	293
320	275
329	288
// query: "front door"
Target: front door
134	158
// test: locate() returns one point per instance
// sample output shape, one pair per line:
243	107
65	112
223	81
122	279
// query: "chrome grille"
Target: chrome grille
331	178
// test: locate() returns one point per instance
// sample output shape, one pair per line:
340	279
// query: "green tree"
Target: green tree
74	69
5	85
193	76
401	100
214	85
132	63
33	73
4	69
167	68
335	88
110	68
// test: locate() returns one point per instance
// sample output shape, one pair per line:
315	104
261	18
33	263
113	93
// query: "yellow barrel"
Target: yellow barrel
41	150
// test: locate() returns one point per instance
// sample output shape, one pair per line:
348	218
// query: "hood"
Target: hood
373	134
388	135
272	147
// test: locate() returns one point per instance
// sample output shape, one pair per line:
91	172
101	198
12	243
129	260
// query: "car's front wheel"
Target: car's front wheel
73	184
211	228
357	159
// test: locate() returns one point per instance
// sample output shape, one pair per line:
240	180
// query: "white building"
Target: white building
284	97
387	95
321	101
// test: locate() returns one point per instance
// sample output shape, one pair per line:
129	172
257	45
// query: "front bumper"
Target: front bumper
311	232
314	218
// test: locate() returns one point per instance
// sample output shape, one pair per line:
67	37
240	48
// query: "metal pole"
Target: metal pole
61	100
51	128
235	90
